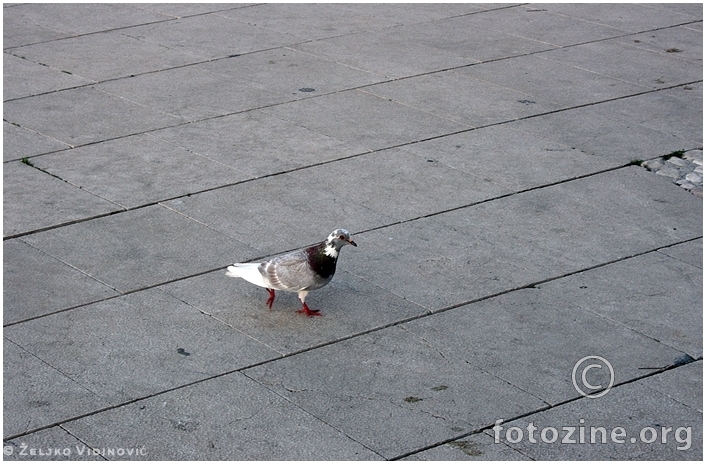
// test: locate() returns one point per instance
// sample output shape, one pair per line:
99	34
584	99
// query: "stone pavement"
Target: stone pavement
487	160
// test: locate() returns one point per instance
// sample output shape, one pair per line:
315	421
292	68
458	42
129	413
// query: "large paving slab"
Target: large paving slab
682	43
630	128
683	384
690	252
526	238
36	394
211	36
43	78
320	21
34	284
18	143
452	171
257	143
85	56
202	93
360	117
538	23
630	62
681	104
33	200
181	10
404	185
131	347
16	32
276	214
484	104
467	37
84	115
384	54
391	392
509	158
449	172
292	73
314	21
349	305
227	418
631	17
138	170
546	81
82	19
657	296
140	248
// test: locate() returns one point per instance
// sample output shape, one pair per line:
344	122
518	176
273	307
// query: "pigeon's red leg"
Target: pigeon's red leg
309	312
271	298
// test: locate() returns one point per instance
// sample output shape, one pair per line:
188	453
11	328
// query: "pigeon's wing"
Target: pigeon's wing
290	272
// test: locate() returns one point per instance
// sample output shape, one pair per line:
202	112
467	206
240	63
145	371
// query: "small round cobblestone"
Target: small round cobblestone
685	170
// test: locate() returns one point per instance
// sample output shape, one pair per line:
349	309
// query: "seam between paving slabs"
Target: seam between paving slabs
45	171
126	209
218	319
53	368
92	277
169	18
429	345
306	411
373	330
624	325
662	252
80	440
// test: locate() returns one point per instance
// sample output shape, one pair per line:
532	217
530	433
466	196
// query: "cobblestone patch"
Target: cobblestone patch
684	168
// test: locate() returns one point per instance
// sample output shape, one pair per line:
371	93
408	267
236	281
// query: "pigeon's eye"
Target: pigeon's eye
342	237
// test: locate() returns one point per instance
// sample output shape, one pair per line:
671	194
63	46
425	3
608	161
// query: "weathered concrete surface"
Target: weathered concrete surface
485	159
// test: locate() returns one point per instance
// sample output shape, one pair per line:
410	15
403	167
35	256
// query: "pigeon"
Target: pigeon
298	271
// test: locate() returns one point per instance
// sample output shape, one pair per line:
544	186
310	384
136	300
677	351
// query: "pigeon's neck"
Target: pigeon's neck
330	250
321	260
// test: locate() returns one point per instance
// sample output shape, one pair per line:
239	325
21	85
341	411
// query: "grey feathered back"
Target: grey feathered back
292	273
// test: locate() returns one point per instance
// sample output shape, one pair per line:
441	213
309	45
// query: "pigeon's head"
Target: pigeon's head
337	240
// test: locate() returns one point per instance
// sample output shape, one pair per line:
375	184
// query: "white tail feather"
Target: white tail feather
247	271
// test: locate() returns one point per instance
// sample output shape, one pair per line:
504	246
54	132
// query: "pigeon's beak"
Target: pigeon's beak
352	242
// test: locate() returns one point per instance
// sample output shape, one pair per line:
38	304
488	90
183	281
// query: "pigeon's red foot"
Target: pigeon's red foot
271	298
309	312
